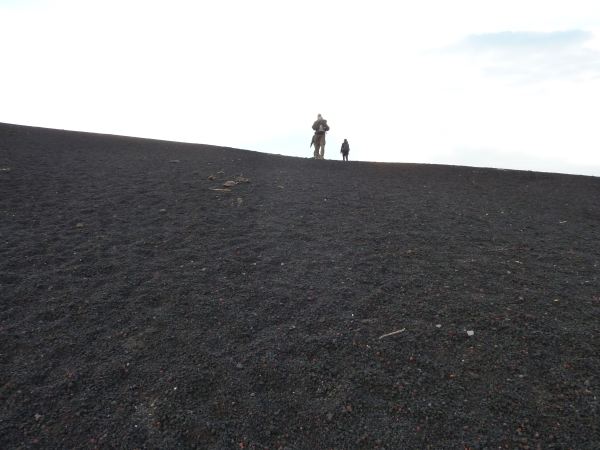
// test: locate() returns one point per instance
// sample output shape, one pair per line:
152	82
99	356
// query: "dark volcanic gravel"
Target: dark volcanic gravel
142	309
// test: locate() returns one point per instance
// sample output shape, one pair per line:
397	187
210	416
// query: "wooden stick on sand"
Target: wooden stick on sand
392	333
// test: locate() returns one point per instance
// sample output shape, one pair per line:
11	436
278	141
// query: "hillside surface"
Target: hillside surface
142	308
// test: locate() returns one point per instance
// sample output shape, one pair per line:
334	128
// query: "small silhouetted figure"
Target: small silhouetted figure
320	126
345	149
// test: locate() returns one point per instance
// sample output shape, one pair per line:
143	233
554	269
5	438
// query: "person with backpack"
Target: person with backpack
345	149
320	127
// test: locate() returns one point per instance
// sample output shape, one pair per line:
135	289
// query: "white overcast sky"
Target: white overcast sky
489	83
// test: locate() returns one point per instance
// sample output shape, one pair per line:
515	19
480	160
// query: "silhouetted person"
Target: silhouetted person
320	126
345	149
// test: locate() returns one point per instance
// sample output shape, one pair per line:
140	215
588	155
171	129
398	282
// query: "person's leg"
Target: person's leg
318	143
322	147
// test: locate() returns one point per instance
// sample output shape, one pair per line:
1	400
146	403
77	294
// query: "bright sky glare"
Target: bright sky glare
489	83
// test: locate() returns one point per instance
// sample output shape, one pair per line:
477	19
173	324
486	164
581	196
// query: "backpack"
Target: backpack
322	127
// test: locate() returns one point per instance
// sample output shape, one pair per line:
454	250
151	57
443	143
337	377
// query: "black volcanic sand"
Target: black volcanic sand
141	309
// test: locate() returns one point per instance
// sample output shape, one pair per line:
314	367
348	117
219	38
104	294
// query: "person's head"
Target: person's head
345	140
319	117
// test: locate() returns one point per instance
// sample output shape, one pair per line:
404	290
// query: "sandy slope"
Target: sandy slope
142	309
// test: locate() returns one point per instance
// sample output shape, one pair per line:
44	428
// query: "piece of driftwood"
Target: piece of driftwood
392	333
